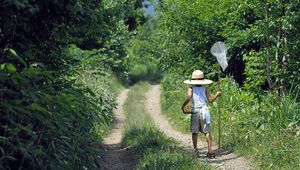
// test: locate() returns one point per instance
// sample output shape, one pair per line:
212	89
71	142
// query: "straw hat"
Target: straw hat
198	78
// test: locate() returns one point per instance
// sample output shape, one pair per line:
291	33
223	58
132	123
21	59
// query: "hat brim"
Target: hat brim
198	82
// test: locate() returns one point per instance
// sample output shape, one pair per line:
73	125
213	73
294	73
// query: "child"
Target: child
200	118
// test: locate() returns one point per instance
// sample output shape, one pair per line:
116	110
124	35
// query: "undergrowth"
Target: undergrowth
260	125
174	92
52	121
155	150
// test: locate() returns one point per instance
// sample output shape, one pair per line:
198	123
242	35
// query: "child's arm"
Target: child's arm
211	98
188	98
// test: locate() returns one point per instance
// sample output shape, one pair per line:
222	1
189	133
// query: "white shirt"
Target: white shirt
199	97
199	102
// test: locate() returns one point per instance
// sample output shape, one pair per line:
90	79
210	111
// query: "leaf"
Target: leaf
10	158
11	68
2	67
38	107
38	64
13	53
39	152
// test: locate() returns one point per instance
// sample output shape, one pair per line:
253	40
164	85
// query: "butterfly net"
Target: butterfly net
219	50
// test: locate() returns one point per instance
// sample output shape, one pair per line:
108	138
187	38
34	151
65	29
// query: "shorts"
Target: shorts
198	124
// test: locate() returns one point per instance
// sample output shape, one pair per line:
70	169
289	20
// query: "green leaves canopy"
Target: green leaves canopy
52	106
186	31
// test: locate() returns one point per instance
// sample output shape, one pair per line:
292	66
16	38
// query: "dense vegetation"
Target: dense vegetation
142	65
263	127
155	150
58	60
262	37
260	104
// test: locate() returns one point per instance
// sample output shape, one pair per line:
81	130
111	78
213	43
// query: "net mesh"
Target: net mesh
219	50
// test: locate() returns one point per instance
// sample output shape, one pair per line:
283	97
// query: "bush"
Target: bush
50	121
259	124
263	125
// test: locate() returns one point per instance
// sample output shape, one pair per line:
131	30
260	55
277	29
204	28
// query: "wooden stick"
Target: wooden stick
219	112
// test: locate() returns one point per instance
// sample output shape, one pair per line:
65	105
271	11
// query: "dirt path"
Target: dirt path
224	160
116	156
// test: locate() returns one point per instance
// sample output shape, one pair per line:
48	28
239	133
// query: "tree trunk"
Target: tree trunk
285	49
268	63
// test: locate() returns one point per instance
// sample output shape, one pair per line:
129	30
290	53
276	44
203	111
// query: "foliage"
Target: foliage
174	92
56	99
260	113
170	159
181	38
254	71
263	126
48	127
186	31
256	123
52	123
156	151
141	60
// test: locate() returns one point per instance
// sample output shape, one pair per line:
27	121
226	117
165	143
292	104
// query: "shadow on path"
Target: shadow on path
116	157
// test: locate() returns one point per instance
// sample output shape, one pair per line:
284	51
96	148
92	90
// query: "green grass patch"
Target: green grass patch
105	88
155	150
262	126
173	94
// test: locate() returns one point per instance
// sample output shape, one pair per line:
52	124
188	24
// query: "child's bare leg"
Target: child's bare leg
209	142
194	138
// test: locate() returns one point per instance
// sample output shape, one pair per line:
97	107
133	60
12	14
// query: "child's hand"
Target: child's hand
186	109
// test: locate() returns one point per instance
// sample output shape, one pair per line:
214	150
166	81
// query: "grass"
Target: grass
109	88
262	126
155	150
173	95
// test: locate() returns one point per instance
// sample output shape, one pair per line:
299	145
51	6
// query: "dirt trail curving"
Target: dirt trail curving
116	156
224	160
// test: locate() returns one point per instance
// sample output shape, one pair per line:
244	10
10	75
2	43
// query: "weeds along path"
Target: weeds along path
116	156
224	160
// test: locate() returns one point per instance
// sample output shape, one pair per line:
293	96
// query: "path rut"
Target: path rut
115	155
224	160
